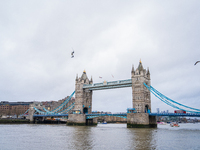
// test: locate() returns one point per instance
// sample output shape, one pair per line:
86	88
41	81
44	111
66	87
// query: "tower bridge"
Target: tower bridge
139	115
141	99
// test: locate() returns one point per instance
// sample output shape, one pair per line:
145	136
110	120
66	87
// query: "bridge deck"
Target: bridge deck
176	114
124	115
109	85
51	115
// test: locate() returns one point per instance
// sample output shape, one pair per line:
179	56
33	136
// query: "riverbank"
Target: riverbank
25	121
14	121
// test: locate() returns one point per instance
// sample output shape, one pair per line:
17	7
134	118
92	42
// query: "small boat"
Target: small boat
174	125
63	120
162	123
104	122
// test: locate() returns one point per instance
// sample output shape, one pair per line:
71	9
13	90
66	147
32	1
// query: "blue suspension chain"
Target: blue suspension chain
166	100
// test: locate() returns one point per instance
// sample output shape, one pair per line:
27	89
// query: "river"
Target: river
103	136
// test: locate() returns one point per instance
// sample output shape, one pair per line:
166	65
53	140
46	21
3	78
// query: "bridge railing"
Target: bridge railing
121	115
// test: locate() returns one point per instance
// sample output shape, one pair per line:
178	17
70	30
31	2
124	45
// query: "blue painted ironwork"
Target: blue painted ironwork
122	115
171	102
25	112
131	110
40	112
68	108
50	115
55	111
109	85
176	114
119	84
62	105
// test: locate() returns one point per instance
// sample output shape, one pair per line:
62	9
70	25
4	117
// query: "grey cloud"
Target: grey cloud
108	37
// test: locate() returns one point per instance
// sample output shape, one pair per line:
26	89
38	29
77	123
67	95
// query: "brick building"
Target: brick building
17	108
13	108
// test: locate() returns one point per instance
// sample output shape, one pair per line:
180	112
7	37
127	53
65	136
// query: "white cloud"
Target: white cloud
108	37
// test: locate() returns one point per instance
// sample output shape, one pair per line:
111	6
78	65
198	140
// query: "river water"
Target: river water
103	136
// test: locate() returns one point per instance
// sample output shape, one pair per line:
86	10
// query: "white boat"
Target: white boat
104	122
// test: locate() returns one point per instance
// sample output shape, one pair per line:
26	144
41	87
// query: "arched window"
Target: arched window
85	110
146	109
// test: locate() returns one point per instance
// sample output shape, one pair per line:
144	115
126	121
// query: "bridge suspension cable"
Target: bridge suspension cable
55	111
39	111
171	102
60	106
25	112
68	108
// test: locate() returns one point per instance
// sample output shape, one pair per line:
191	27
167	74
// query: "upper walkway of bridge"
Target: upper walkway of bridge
109	85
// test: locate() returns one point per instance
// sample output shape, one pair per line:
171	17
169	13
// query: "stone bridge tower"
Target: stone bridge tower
83	98
83	103
141	97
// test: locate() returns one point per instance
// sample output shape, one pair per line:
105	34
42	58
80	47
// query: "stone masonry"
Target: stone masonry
140	94
83	102
141	99
83	98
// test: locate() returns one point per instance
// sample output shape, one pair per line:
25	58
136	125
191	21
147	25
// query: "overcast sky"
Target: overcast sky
108	37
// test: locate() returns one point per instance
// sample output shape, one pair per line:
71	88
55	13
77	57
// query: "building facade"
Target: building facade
13	108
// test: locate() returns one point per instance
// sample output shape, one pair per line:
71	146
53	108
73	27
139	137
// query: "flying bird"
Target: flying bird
100	77
72	54
196	62
112	76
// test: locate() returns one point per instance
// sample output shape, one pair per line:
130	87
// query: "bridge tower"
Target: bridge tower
141	99
83	102
83	98
31	112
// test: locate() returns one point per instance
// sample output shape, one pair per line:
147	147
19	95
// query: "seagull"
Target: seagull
72	53
196	62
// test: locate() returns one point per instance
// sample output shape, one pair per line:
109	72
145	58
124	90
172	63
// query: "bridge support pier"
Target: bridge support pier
76	119
80	120
141	120
31	112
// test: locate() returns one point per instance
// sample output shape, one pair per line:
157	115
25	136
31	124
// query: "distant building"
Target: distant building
18	108
13	108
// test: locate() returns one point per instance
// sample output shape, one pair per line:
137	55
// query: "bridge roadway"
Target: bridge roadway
124	115
108	85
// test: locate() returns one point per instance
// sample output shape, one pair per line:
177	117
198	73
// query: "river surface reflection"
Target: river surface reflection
103	136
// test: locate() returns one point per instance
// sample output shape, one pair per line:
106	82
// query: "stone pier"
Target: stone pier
141	120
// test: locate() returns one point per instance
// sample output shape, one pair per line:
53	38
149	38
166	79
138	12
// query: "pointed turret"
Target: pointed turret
91	81
84	76
132	71
140	67
148	72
